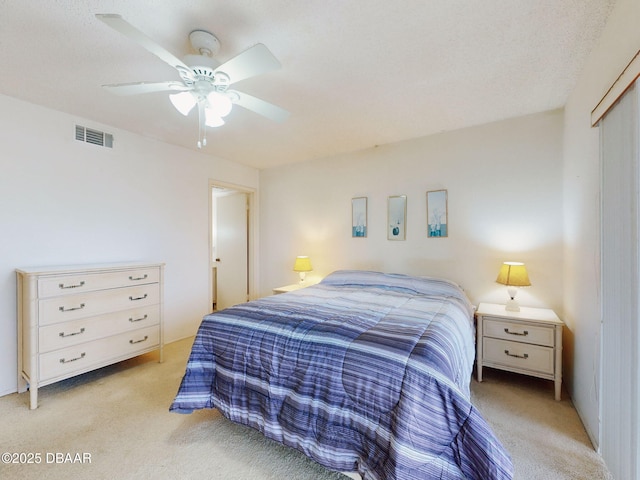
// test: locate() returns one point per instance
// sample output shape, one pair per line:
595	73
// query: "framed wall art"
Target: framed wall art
437	221
359	217
397	217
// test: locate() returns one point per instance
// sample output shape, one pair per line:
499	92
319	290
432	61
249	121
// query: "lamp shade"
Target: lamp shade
302	264
219	103
513	274
212	119
183	101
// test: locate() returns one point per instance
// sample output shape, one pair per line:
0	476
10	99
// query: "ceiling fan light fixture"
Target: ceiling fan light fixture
183	101
212	119
219	103
205	81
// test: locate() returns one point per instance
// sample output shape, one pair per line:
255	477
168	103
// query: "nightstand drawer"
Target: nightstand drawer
519	332
519	355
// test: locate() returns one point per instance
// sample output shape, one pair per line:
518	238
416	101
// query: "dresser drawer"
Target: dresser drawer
67	334
72	307
90	355
522	356
88	282
526	333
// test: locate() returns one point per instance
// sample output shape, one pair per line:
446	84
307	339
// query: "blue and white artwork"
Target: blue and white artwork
359	217
397	217
437	213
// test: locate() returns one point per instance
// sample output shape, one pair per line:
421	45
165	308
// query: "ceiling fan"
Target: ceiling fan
204	82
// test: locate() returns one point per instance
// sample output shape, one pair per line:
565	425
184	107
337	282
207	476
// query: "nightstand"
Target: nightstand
527	342
289	288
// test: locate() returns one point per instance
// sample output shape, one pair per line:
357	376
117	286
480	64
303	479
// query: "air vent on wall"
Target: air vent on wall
94	137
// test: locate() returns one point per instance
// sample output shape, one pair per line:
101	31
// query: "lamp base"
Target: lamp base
512	306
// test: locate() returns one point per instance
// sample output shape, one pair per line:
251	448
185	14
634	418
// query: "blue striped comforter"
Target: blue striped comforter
364	372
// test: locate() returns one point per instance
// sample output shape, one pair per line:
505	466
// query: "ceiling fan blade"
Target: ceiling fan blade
254	61
260	107
121	25
144	87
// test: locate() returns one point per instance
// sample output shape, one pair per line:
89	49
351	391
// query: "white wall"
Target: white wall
504	183
66	202
618	44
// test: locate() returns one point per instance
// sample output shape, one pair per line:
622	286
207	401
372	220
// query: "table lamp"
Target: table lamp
513	274
302	265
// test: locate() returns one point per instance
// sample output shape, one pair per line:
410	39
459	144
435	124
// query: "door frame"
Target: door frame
252	240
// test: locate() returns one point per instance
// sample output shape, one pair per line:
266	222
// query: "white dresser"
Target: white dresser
74	319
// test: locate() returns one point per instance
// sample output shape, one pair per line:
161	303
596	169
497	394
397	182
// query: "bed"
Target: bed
364	372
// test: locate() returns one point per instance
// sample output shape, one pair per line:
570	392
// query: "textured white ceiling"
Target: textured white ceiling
356	73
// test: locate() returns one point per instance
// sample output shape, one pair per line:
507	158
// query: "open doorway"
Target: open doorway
230	244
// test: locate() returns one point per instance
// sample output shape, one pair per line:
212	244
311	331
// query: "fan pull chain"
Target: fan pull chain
202	128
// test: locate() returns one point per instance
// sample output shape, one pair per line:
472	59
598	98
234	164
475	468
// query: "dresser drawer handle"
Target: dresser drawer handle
523	334
62	360
139	341
63	309
144	277
133	299
63	286
62	334
525	356
131	319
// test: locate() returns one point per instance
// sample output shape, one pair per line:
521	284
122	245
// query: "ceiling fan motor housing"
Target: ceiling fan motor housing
205	43
203	64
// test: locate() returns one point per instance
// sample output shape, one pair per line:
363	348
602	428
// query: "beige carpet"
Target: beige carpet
118	419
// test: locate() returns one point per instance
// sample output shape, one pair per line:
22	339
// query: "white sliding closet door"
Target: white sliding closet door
620	395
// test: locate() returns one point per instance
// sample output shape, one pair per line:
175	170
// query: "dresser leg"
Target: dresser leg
558	389
33	397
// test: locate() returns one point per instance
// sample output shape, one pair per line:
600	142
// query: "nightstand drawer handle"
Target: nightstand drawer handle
523	334
133	299
525	356
133	279
139	341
